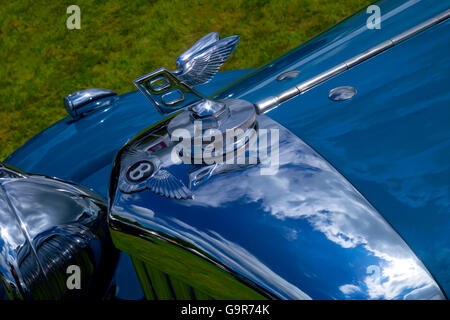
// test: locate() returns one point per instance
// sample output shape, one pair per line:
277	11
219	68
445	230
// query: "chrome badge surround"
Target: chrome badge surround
176	175
156	179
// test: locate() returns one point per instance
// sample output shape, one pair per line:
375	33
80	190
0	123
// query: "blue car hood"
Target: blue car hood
391	141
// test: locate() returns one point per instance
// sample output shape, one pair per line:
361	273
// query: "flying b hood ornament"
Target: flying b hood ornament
169	91
198	134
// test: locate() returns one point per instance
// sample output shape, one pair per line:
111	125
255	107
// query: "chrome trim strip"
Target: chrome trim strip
272	102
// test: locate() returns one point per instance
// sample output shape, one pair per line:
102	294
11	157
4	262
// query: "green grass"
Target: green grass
42	61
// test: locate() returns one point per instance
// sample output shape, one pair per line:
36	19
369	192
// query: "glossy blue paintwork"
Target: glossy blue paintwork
390	141
337	44
300	232
83	151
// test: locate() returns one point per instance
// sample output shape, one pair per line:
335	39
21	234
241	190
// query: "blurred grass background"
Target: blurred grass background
42	61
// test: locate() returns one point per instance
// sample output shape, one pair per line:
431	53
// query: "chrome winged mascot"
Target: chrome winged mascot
202	61
172	90
186	200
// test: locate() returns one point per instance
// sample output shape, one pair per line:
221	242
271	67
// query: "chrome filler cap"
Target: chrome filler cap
210	124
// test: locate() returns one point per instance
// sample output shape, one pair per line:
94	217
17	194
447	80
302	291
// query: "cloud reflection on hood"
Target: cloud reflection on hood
307	187
229	253
319	236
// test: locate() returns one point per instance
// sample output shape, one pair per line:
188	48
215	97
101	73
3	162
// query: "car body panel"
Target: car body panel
405	87
391	140
298	230
330	48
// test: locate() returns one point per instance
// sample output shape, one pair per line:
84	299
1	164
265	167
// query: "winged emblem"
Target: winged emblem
167	185
203	60
141	170
169	91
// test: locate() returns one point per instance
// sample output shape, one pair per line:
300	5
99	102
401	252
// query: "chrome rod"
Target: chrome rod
272	102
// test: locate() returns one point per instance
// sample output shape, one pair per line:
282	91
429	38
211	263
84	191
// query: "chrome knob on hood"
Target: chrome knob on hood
224	131
83	102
